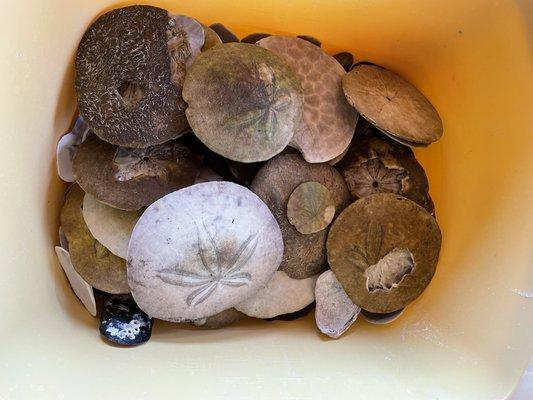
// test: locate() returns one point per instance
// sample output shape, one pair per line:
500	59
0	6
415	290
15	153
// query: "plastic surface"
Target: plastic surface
469	335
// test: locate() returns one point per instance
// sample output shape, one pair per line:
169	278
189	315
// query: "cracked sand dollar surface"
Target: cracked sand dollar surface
67	147
244	102
376	165
96	264
381	319
201	250
384	249
81	289
110	226
281	295
128	178
305	255
124	82
328	122
392	105
335	312
310	207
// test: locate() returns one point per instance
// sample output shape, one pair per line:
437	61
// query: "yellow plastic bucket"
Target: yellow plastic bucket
468	337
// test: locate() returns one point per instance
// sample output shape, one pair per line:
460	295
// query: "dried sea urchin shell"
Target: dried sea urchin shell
384	249
328	122
124	81
130	179
244	102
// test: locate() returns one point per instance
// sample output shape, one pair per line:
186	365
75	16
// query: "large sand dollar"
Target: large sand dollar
201	250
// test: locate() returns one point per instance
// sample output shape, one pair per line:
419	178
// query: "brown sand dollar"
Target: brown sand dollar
328	122
130	179
211	39
310	207
124	81
96	264
384	249
201	250
375	165
305	255
392	105
244	101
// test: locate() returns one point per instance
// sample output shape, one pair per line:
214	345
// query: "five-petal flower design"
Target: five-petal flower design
372	176
215	271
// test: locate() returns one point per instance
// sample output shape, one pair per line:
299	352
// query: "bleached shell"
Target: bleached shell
81	288
110	226
281	295
335	312
201	250
66	148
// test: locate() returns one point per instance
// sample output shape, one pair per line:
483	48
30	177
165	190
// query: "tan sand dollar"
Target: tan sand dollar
130	179
96	264
328	122
201	250
244	102
110	226
211	39
310	207
305	254
392	105
384	249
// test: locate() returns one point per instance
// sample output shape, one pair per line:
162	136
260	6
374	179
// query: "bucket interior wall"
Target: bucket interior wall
467	337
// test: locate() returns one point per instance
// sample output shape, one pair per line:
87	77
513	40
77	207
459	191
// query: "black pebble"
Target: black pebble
123	322
254	37
224	33
345	59
311	39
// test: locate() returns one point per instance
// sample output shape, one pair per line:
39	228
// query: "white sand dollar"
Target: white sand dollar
110	226
81	288
201	250
281	295
335	312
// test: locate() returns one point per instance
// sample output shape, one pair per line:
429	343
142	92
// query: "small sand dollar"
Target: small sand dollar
95	263
392	105
201	250
244	101
328	121
384	249
310	208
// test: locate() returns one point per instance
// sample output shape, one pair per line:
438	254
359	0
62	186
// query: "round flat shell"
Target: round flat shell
130	179
201	250
124	81
310	207
110	226
328	121
244	102
281	295
96	265
384	249
211	39
392	104
305	255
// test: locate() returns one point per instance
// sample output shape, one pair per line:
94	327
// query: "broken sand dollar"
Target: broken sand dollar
185	39
375	165
123	78
66	148
384	250
281	295
335	312
82	289
96	265
392	105
305	255
201	250
211	39
310	207
381	319
328	121
244	102
130	179
110	226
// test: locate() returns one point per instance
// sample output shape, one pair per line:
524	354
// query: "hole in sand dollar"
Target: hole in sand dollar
131	93
388	272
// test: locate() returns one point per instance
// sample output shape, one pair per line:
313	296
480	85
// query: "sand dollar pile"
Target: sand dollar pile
215	179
